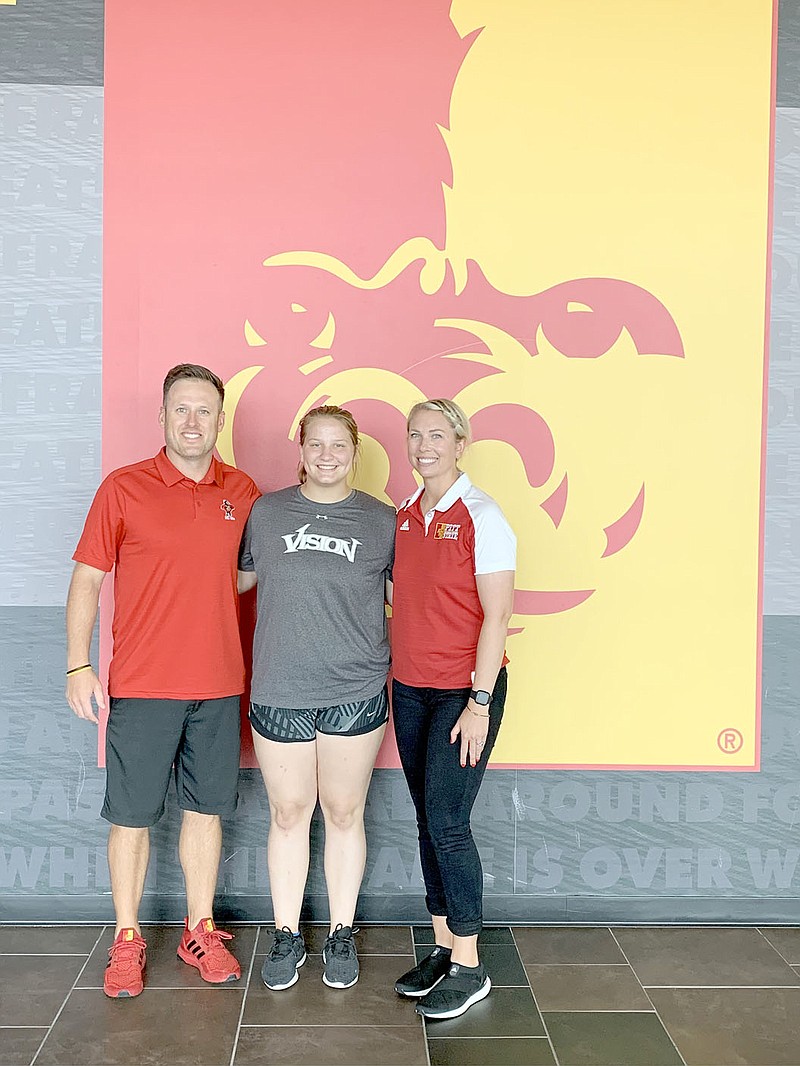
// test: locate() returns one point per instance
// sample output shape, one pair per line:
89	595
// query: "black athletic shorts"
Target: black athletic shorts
289	726
144	738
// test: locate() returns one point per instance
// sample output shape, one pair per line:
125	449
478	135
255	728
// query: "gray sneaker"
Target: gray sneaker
340	958
286	956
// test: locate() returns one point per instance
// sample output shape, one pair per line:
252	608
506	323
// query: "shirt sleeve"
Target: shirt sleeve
392	532
245	553
103	530
495	542
253	493
390	567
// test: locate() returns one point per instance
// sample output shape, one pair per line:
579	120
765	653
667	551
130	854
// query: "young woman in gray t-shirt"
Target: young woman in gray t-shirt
321	553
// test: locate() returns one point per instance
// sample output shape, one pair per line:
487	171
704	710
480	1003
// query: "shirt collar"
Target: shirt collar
455	492
170	475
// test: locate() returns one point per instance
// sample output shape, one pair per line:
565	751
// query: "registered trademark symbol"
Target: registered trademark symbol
730	741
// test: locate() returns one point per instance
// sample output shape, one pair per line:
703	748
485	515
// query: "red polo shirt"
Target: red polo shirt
436	611
173	544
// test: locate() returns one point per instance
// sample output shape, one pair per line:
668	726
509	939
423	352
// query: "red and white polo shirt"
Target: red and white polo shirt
436	611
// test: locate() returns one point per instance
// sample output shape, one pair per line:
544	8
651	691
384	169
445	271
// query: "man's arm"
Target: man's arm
82	602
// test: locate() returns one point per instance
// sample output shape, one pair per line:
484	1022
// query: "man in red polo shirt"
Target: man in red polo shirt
170	529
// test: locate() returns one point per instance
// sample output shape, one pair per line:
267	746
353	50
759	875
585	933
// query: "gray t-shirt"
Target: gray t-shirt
321	630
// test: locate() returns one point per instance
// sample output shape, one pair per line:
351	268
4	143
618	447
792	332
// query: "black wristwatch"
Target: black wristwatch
481	697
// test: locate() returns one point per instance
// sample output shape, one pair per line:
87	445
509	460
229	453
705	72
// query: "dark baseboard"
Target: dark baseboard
407	910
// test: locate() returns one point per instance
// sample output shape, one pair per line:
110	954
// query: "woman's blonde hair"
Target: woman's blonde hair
327	411
455	417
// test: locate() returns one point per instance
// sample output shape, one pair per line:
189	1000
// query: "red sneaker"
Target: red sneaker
127	957
202	947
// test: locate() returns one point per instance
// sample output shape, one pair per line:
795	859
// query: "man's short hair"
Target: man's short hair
193	372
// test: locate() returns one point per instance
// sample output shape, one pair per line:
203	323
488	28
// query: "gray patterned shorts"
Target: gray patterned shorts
290	726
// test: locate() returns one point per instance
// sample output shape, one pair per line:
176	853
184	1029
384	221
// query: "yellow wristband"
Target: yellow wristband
79	669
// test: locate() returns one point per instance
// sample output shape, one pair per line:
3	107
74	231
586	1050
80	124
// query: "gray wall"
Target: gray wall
556	846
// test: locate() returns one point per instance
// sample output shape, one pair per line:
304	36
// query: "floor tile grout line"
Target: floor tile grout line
420	1018
731	988
603	1010
410	929
776	950
450	1036
527	985
425	1040
588	965
455	1037
368	954
236	1035
229	988
649	1000
328	1025
100	936
533	997
44	954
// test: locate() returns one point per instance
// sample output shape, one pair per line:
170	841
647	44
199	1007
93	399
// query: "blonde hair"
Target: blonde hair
339	414
452	413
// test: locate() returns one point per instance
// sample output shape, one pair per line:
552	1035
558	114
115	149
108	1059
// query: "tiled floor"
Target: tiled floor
570	996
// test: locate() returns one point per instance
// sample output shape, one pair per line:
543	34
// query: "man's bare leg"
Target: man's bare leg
128	855
200	849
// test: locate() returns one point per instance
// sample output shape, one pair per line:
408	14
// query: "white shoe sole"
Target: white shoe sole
335	984
482	993
294	980
424	992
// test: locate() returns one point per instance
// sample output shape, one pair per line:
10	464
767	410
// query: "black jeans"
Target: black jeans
444	792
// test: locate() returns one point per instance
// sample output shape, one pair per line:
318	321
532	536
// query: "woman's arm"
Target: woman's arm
496	593
246	580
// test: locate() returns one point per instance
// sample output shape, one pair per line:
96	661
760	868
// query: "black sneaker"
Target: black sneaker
286	956
456	992
426	975
340	958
